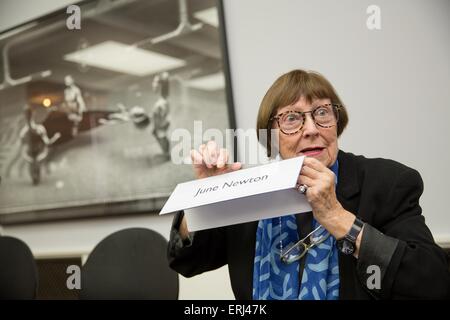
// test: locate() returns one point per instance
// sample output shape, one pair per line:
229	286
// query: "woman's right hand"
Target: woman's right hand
209	161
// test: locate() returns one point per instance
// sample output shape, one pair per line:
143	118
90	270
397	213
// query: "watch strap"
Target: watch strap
356	228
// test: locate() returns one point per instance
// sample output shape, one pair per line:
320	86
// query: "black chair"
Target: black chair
18	271
129	264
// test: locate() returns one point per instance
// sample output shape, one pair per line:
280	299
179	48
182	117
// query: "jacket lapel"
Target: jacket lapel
348	194
348	185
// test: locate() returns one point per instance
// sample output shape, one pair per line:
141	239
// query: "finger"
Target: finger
324	174
201	148
315	164
236	166
306	180
233	167
213	151
226	156
310	172
205	156
196	157
221	159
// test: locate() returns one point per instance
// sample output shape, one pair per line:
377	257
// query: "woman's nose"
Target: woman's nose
309	127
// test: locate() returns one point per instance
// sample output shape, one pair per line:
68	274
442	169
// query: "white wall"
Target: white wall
392	81
14	12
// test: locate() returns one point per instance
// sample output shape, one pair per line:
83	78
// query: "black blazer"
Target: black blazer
384	194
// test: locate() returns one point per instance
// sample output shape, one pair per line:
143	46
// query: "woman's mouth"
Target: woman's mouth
312	151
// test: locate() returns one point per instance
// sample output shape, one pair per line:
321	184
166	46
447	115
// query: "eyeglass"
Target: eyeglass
291	122
299	249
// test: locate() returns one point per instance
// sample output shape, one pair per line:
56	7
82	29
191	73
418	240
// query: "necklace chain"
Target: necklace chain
281	240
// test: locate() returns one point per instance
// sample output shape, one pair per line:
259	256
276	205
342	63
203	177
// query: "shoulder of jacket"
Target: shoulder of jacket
387	167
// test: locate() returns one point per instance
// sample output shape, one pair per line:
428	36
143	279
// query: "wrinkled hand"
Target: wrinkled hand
209	161
321	193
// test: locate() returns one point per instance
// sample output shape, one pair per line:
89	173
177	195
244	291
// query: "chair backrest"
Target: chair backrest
18	271
129	264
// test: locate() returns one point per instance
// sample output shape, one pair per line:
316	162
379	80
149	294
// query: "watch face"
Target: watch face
346	247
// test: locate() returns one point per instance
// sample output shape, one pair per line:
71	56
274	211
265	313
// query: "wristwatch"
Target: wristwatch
347	245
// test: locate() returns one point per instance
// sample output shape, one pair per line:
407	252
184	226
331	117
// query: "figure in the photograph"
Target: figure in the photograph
160	112
136	114
35	145
74	103
139	116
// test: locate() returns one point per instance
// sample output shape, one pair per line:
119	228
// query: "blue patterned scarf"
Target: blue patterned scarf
275	280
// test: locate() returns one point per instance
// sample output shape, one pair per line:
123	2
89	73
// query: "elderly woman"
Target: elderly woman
365	237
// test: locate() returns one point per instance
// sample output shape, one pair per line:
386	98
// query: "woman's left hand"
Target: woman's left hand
321	193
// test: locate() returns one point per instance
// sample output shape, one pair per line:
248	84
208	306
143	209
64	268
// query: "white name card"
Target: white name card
241	196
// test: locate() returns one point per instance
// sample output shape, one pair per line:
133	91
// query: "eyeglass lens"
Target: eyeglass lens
299	249
324	116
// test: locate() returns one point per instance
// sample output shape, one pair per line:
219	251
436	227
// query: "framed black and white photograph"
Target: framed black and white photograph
88	107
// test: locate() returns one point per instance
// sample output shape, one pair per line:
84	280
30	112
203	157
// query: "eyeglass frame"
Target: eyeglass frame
336	108
306	246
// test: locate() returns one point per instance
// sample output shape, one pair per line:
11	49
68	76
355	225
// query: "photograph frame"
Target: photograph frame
128	204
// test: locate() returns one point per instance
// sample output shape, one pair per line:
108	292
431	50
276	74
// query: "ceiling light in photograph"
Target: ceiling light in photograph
119	57
210	82
208	16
